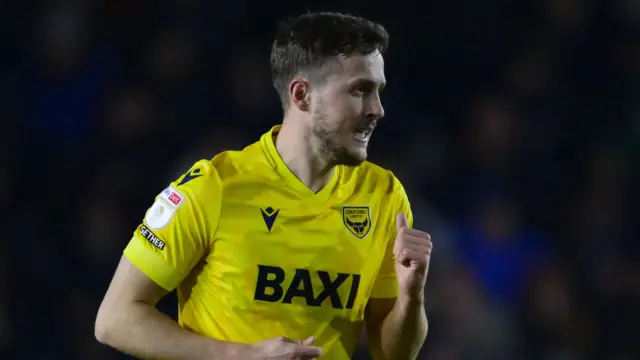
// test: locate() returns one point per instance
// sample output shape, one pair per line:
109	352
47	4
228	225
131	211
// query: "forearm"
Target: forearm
143	331
404	330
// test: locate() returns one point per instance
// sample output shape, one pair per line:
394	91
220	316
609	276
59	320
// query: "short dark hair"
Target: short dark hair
307	43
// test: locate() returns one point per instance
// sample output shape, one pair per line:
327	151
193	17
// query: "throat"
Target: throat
319	182
313	171
312	175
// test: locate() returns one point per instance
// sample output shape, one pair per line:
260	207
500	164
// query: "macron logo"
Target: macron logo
269	215
195	173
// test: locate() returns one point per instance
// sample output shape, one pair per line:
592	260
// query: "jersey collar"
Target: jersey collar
274	158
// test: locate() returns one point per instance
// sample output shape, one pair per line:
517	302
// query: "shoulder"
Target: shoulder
202	177
206	178
231	163
376	180
198	190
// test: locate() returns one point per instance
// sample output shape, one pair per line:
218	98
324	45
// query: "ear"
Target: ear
299	92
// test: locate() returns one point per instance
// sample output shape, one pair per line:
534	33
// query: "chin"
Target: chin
351	157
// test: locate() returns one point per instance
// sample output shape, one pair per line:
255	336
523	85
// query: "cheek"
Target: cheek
354	104
342	112
348	111
346	103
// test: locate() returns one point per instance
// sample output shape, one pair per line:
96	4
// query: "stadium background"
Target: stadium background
513	124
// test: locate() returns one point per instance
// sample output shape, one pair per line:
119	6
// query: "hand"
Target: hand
413	255
281	348
308	342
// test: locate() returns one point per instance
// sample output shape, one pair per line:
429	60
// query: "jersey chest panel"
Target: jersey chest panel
277	250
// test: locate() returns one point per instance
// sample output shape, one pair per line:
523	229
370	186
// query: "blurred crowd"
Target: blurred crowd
514	125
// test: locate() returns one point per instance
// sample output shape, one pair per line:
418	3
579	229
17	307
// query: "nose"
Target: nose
375	111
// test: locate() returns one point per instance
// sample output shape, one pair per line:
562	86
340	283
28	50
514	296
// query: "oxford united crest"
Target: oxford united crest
357	219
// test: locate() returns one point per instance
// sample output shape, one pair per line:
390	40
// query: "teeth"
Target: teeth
362	135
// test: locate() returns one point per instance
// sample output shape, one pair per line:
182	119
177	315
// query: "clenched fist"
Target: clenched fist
412	251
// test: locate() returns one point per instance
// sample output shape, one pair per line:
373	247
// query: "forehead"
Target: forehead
363	67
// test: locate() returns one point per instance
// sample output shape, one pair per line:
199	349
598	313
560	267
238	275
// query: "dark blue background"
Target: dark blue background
513	124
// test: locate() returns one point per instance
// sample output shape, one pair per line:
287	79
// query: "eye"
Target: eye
362	89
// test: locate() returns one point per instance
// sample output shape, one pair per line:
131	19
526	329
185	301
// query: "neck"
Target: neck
296	150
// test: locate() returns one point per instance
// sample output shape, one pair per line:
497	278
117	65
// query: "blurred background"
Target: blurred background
514	125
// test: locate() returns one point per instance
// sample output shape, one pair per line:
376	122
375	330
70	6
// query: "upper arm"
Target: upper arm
131	285
128	286
178	228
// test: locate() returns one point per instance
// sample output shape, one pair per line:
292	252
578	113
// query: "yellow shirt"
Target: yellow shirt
255	254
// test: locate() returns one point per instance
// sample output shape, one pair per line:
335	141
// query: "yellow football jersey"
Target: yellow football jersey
255	254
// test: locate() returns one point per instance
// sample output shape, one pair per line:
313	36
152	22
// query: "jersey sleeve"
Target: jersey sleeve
386	284
177	230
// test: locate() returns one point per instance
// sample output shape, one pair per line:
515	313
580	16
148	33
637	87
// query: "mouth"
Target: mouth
363	134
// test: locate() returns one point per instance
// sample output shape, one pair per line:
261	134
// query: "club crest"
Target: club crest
357	219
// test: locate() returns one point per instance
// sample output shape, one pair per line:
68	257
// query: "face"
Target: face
346	109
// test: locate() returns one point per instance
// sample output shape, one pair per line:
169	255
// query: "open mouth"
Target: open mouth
364	134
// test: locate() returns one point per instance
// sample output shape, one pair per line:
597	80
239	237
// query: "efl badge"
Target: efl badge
172	197
164	208
357	219
159	215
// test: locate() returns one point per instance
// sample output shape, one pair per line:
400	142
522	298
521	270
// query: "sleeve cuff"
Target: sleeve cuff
152	265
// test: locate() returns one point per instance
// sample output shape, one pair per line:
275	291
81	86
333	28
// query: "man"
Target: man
284	249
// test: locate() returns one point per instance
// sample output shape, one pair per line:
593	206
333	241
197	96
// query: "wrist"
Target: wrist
231	351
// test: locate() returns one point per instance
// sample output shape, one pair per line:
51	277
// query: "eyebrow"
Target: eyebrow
368	81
